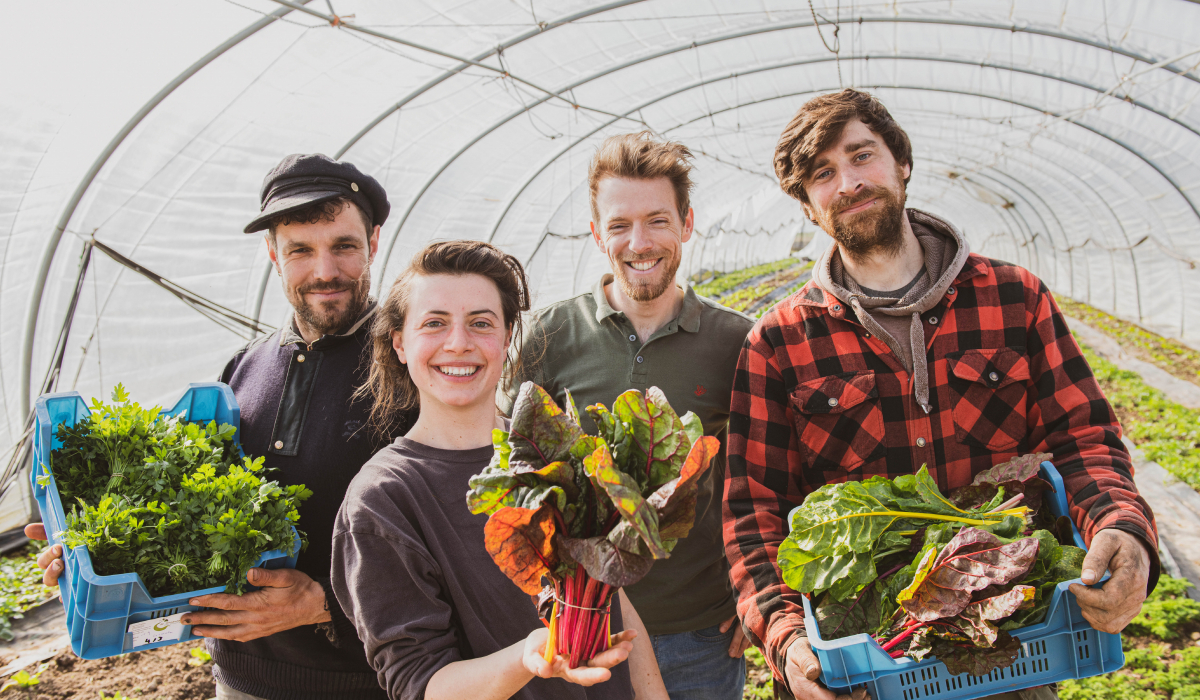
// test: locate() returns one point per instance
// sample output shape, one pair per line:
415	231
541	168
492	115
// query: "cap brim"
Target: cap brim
286	204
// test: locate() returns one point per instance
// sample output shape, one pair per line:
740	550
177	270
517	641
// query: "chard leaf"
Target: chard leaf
975	620
607	563
806	574
540	433
1020	469
521	542
571	410
675	500
623	491
838	619
972	561
659	442
977	661
692	426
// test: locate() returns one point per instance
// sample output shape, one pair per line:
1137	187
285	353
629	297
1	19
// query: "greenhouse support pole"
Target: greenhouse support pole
43	271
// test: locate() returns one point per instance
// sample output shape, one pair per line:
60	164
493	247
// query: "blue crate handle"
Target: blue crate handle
1050	474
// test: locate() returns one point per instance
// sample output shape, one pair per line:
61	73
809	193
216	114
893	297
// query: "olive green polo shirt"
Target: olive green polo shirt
585	345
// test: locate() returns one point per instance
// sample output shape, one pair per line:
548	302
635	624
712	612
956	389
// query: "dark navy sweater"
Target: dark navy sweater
296	411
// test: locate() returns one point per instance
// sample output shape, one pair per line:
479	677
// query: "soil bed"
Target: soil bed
162	673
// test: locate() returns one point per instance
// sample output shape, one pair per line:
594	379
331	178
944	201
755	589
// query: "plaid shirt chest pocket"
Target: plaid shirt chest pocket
838	421
989	389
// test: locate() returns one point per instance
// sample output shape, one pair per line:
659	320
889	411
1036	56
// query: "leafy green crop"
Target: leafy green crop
588	513
1166	611
170	500
956	580
1167	432
20	589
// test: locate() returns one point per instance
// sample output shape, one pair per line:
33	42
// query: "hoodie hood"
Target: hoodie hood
945	252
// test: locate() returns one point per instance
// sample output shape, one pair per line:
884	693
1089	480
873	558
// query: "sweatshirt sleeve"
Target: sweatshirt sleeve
392	594
1070	418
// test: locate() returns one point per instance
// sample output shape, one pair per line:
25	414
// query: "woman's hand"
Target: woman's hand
596	670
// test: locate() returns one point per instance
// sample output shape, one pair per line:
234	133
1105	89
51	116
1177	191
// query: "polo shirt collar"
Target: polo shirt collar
689	314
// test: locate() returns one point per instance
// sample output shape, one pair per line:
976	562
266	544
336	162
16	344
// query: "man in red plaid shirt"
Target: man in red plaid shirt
907	349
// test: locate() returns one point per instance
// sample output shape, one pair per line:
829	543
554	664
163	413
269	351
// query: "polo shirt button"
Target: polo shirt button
299	358
832	401
920	442
633	337
279	444
933	320
639	359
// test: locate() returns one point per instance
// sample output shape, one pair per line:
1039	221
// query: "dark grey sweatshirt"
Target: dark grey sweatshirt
411	572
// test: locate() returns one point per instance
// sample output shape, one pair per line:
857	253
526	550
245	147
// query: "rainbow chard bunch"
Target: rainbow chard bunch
928	574
573	517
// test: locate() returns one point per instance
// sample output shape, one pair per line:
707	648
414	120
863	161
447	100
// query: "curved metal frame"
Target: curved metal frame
35	301
52	244
516	195
763	30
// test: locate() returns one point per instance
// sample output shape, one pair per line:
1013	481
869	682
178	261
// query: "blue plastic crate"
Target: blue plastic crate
1062	646
100	609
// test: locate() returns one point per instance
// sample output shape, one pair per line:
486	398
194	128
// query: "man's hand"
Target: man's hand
803	670
596	670
740	642
50	560
287	598
1119	600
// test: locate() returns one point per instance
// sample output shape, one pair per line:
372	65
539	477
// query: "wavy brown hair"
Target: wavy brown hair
819	124
388	384
642	157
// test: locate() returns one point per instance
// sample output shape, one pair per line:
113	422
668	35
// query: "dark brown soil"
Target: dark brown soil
162	673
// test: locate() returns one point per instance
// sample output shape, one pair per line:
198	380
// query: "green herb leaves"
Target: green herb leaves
170	500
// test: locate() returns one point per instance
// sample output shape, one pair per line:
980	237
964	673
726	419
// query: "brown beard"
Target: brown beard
329	321
877	231
649	290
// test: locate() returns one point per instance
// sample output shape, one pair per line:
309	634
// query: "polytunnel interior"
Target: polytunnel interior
1063	136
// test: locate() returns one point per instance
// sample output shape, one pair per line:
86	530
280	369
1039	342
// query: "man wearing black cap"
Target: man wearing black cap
290	640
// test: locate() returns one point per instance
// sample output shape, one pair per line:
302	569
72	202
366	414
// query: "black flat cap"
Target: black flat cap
302	179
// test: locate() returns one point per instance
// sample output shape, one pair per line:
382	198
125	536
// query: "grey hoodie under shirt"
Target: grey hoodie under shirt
899	322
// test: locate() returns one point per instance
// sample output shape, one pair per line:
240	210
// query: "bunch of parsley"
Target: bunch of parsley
173	501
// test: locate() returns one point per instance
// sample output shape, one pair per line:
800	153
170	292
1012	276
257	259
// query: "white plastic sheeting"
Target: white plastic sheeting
1063	135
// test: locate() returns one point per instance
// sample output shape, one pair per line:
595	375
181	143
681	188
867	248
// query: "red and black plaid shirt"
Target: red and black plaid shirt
818	400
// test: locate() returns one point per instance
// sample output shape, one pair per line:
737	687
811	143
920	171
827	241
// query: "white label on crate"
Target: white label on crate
160	629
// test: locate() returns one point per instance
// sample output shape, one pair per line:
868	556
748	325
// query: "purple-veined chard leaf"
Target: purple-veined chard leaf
660	444
605	562
623	491
521	542
540	432
1021	468
674	501
975	621
970	562
964	657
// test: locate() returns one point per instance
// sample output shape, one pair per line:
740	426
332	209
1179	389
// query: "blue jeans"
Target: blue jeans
696	665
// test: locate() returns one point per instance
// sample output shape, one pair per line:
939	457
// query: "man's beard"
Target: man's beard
876	231
327	318
650	289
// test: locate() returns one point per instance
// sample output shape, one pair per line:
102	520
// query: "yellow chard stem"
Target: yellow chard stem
550	641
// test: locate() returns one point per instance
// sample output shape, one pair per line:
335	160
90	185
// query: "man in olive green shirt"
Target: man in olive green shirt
637	329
